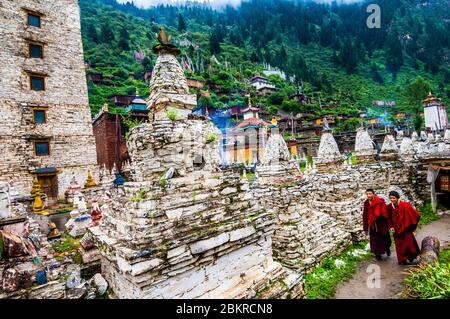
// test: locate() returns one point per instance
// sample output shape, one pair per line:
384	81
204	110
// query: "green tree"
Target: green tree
106	34
394	53
415	93
276	98
124	40
92	33
214	41
181	23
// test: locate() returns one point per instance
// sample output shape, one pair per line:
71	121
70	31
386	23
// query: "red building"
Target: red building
110	131
110	142
196	84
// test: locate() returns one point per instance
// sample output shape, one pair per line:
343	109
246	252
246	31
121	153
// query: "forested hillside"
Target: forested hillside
327	50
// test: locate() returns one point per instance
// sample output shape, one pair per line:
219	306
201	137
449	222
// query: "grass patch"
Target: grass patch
210	137
429	281
322	282
139	196
427	214
250	176
66	244
302	166
63	211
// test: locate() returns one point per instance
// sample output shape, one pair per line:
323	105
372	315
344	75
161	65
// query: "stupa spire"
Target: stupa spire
168	86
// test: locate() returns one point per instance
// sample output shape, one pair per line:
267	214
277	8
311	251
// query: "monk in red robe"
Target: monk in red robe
403	219
376	219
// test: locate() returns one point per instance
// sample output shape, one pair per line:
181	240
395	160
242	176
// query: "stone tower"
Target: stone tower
182	227
45	122
168	86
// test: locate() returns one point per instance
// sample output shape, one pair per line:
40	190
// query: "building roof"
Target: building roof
252	122
259	77
46	170
250	109
431	98
138	104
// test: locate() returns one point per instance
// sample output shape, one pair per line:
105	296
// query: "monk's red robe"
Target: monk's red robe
404	219
376	218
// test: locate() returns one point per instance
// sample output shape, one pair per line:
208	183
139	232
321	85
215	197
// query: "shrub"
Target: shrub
210	137
172	114
426	214
429	281
163	182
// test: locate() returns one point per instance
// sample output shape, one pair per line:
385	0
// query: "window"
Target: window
39	117
34	20
36	50
41	148
37	83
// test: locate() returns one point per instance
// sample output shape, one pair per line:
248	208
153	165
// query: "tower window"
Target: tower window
39	117
37	83
34	20
41	148
36	50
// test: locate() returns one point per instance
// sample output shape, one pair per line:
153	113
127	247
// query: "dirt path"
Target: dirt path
391	272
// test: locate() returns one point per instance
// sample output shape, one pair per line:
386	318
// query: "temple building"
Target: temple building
246	142
195	84
137	108
45	121
262	85
435	113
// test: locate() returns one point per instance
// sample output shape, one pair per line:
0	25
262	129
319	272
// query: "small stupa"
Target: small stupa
407	151
364	146
38	205
389	150
90	183
329	158
36	186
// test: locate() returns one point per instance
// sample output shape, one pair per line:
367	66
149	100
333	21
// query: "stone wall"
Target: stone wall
198	237
185	145
321	215
68	127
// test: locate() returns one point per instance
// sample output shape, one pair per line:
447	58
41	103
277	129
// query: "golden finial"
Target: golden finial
90	181
137	92
163	37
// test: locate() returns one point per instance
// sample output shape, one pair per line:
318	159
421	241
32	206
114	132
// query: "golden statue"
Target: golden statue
90	181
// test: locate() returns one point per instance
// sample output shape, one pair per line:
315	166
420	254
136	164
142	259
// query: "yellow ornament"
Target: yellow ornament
90	181
38	205
36	186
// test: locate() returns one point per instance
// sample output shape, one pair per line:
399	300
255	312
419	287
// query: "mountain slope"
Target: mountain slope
328	49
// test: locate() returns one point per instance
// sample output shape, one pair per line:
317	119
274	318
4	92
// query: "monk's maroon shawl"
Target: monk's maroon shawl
403	218
372	211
